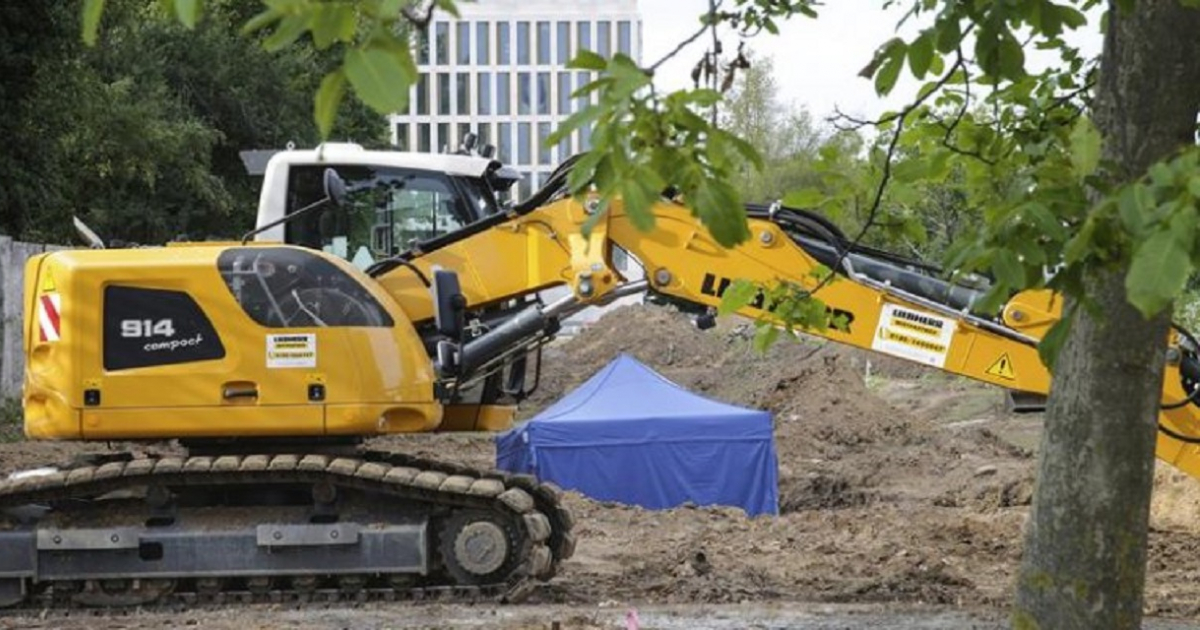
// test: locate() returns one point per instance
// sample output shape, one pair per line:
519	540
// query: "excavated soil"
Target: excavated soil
898	485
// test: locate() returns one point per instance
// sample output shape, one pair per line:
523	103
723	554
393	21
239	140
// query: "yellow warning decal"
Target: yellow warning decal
1003	368
48	282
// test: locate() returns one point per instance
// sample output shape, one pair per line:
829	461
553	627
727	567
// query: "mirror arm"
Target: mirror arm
284	219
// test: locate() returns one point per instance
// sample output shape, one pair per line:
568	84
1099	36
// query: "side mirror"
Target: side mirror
335	187
448	303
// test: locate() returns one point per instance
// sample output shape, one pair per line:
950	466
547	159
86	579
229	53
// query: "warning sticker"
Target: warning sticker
49	306
1003	368
292	351
915	335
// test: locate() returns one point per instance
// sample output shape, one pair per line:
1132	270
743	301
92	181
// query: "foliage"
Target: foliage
786	137
147	146
642	141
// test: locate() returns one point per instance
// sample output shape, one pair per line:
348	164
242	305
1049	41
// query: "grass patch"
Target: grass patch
11	419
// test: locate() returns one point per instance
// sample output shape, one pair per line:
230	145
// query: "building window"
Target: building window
604	38
503	43
481	43
462	88
524	143
524	96
503	93
523	43
523	191
543	93
564	93
582	79
485	134
441	41
504	142
402	136
423	47
443	137
585	35
625	38
463	130
464	43
443	93
564	147
424	144
585	138
564	43
423	95
544	157
483	93
543	43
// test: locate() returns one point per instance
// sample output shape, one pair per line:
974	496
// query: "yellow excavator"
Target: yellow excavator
396	293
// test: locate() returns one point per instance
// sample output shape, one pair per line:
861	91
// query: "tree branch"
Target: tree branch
420	13
685	43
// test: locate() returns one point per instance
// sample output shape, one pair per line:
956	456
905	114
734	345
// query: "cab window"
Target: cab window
387	210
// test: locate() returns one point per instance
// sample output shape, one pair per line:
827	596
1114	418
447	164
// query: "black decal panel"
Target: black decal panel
145	327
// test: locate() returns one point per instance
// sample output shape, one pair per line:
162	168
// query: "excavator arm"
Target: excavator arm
882	303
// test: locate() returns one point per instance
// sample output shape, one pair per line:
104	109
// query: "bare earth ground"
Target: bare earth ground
903	494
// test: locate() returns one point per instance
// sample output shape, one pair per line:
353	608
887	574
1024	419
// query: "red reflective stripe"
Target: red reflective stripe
51	313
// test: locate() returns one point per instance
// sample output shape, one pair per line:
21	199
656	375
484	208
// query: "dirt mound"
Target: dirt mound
878	503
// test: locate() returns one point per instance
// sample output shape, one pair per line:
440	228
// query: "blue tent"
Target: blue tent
630	435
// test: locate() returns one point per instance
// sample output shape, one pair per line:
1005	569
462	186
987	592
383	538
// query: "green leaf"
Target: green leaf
327	99
1184	224
1130	209
188	12
1160	267
920	54
738	296
1085	147
949	35
1011	58
718	205
765	337
1069	16
391	7
1054	340
92	10
805	198
289	29
260	21
449	7
889	72
588	60
332	23
380	78
1080	244
1009	269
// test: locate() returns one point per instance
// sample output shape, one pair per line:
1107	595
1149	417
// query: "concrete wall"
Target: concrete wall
13	255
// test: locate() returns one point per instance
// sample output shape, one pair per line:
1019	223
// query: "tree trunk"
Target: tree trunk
1084	563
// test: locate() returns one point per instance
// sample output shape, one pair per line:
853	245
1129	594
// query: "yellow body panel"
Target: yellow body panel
478	417
375	379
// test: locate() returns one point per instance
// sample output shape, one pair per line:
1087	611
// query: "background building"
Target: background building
500	72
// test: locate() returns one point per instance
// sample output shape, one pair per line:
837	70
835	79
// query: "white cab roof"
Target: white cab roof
342	153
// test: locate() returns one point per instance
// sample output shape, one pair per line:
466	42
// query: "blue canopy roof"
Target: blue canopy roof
628	434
